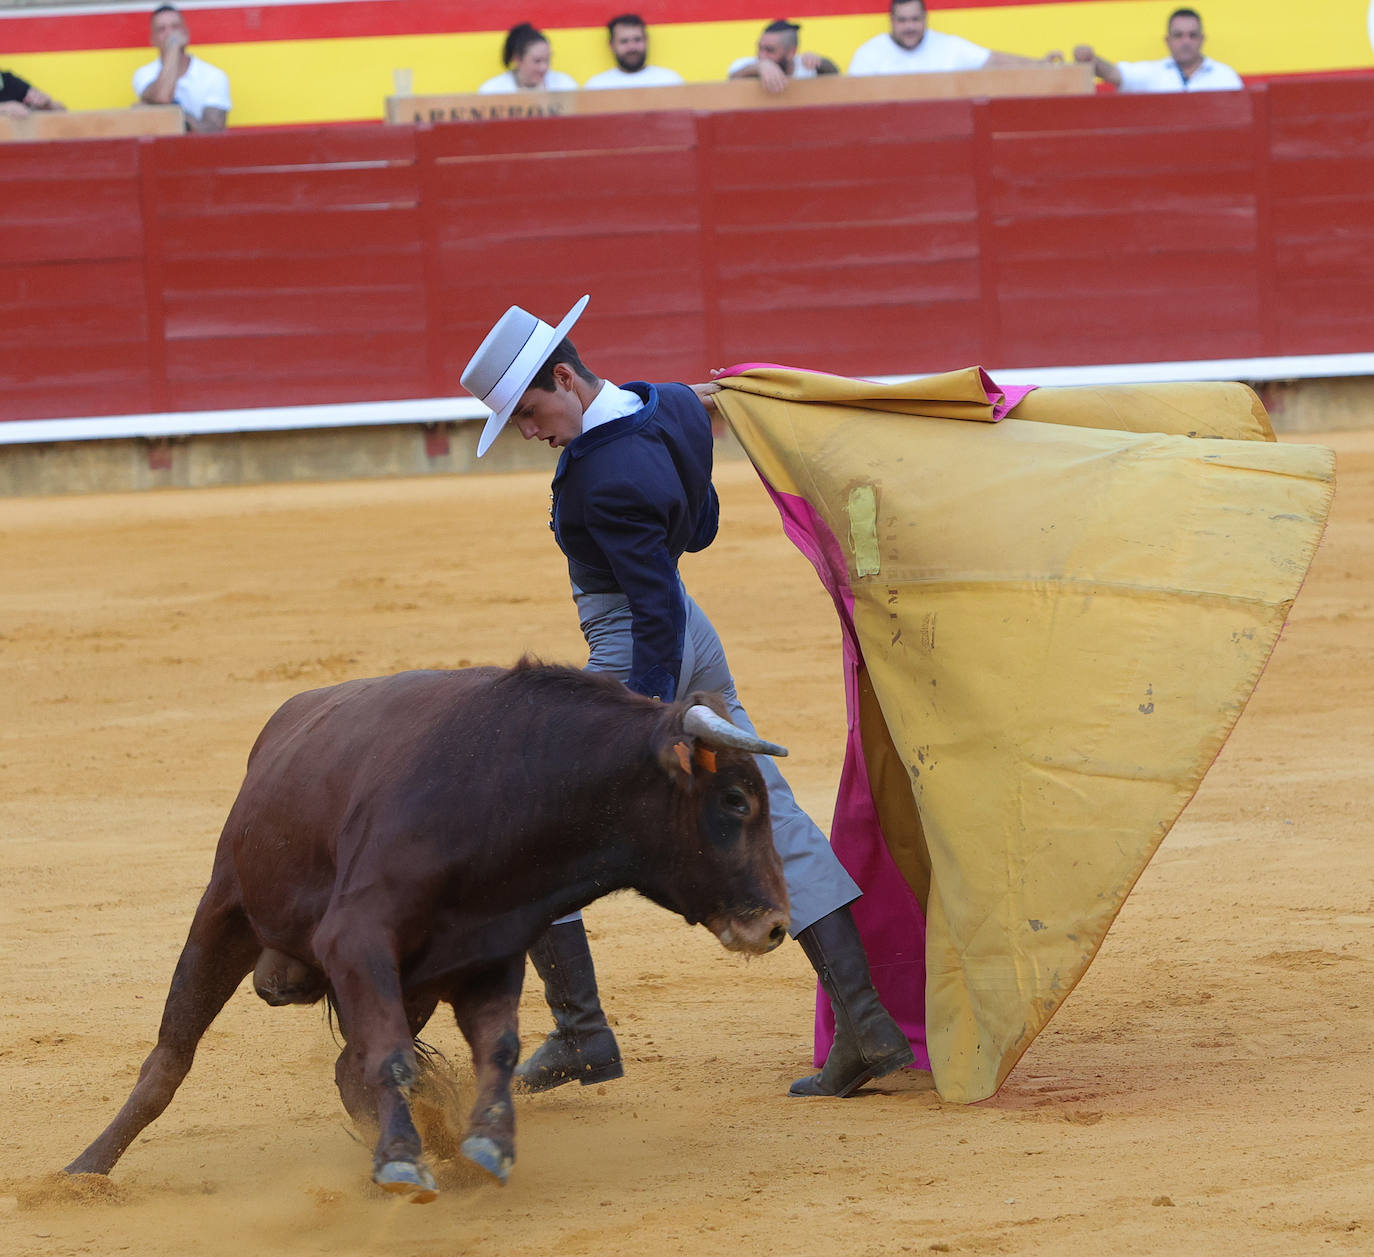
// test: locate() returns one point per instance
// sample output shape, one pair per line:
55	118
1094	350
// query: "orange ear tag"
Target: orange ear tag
682	757
706	758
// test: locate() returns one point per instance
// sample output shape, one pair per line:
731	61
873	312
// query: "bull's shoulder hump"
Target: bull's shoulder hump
365	692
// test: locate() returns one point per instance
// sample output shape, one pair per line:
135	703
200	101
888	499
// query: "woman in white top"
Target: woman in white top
526	55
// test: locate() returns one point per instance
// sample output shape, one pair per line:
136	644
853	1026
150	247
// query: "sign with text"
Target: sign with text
1023	80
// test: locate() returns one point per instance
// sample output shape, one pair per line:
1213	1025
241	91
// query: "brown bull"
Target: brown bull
402	840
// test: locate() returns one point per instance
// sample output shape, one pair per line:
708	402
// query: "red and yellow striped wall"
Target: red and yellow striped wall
333	60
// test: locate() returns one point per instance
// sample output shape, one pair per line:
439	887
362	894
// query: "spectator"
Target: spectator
778	59
911	47
629	40
178	78
18	99
526	55
1185	69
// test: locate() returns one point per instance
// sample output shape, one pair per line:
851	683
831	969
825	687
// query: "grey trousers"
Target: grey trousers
817	883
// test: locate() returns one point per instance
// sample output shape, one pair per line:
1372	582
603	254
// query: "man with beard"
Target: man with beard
1185	69
911	47
629	39
778	61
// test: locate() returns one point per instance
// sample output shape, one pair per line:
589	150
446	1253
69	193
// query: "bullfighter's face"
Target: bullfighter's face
554	417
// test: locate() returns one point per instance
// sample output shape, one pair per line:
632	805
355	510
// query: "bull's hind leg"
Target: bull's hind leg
362	972
220	950
486	1006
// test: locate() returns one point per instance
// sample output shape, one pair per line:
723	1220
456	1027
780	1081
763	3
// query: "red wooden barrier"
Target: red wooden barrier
604	204
364	263
1322	188
844	237
1123	230
289	267
71	281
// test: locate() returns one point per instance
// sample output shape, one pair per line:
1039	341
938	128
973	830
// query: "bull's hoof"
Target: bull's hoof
485	1155
406	1178
85	1164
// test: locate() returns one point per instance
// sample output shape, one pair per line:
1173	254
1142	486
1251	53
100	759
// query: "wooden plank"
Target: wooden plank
766	287
567	185
281	147
1321	177
228	371
260	238
921	240
71	220
1156	149
79	327
872	126
301	190
1029	80
927	173
93	124
588	134
1081	192
227	313
1133	229
1111	116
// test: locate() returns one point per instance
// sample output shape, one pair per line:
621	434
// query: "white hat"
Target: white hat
503	366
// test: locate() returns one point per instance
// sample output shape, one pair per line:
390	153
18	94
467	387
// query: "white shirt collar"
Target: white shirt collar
610	402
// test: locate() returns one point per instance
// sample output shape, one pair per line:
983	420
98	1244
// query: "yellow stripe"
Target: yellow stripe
329	80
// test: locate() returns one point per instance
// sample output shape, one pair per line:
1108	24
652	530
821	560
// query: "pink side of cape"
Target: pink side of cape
888	915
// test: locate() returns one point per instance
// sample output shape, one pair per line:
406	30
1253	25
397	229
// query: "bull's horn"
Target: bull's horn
701	722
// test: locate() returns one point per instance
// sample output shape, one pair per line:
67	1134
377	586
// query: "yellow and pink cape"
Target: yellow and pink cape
1054	606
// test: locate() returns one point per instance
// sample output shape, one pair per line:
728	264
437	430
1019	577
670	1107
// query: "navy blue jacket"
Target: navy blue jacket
629	497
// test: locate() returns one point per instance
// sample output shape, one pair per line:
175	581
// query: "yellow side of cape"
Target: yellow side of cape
1062	615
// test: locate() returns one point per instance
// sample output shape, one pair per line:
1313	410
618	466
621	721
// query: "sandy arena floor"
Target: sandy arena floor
1207	1089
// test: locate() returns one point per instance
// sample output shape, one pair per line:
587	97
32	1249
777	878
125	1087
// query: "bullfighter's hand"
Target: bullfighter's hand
704	391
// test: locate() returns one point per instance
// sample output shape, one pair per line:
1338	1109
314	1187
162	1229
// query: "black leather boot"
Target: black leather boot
581	1047
868	1043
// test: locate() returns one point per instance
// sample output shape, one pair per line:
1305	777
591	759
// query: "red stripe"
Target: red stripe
372	18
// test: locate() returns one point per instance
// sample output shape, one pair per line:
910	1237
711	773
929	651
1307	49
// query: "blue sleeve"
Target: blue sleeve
632	532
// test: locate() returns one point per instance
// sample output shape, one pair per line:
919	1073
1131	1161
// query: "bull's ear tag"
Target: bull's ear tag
705	758
683	757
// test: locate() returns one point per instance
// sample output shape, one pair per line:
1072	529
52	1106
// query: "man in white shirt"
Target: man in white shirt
629	39
177	78
1185	69
778	61
911	47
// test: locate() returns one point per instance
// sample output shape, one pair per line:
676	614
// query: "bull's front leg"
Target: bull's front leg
362	970
486	1006
358	1098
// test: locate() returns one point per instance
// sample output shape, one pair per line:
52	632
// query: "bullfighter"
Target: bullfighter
632	492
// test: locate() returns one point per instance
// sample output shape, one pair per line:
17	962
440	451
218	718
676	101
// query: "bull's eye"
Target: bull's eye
735	800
